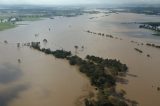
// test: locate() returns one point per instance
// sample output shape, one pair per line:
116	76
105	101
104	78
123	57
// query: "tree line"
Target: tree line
101	72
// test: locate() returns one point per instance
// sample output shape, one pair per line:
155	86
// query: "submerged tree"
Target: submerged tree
18	45
5	41
76	49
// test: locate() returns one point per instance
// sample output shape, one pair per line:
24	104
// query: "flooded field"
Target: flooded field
43	80
38	79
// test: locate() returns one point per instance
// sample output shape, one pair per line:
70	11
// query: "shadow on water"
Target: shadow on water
122	80
10	94
9	73
132	75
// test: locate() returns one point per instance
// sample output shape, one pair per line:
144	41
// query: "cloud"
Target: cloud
9	73
75	1
10	94
72	1
10	91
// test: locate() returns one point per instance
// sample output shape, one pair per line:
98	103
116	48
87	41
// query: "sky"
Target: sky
58	2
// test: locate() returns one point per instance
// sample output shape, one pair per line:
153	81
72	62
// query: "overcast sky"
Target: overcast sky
74	1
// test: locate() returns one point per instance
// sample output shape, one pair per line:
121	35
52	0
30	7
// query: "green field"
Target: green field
33	18
6	25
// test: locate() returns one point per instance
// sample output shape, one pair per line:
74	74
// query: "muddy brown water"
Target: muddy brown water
43	80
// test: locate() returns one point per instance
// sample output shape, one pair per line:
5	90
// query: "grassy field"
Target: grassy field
6	25
33	18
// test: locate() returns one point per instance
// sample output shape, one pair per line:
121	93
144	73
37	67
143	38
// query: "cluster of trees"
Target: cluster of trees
153	45
35	45
109	97
110	63
154	27
58	53
100	34
138	43
97	70
61	54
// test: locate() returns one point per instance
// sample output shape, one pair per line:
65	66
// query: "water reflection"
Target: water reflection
10	94
9	73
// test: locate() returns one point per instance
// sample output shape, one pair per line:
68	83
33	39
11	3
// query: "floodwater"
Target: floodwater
43	80
39	79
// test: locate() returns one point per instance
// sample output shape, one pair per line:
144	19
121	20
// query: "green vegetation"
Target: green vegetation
103	35
100	34
154	26
35	45
58	53
31	18
67	12
6	25
102	73
110	63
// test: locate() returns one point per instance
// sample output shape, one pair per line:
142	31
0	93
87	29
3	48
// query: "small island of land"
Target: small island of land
103	74
154	26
